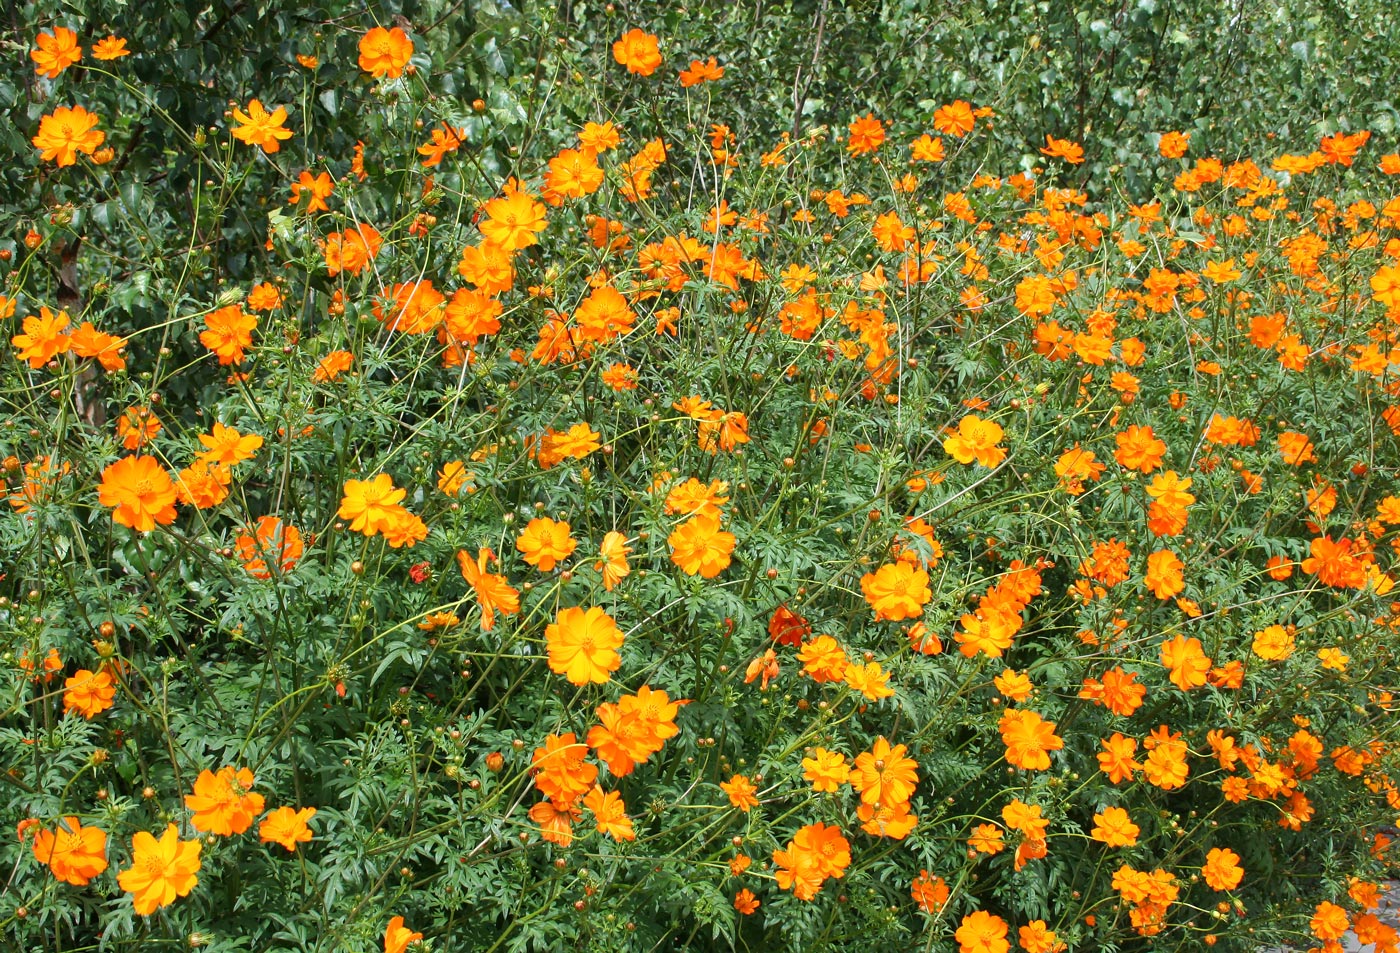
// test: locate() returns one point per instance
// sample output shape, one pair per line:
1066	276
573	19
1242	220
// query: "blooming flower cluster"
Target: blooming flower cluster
850	540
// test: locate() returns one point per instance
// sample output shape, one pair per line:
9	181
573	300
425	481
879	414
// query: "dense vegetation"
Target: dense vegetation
640	477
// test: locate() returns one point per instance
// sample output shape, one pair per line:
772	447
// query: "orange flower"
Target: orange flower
815	854
87	341
110	48
332	366
1075	467
990	630
1222	869
161	870
471	315
1342	148
385	53
43	338
202	485
1029	739
224	803
269	539
823	659
1116	760
1071	152
1173	145
1013	685
883	775
545	542
583	645
634	728
741	792
1385	286
699	546
702	72
258	127
411	308
1164	579
1165	765
1037	937
230	331
600	137
55	52
638	51
318	189
492	591
1274	643
74	853
613	561
869	679
1296	448
511	221
976	440
887	820
866	135
352	249
826	770
1329	921
1139	449
610	814
693	498
140	491
397	937
745	902
371	505
927	148
443	140
896	591
982	932
955	119
88	693
1186	662
986	839
488	266
929	892
1118	692
1113	826
561	773
225	445
1334	564
573	174
286	826
404	529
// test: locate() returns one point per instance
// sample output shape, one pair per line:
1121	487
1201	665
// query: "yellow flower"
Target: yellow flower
511	221
161	870
583	645
699	546
286	826
545	542
976	441
227	446
258	127
371	505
